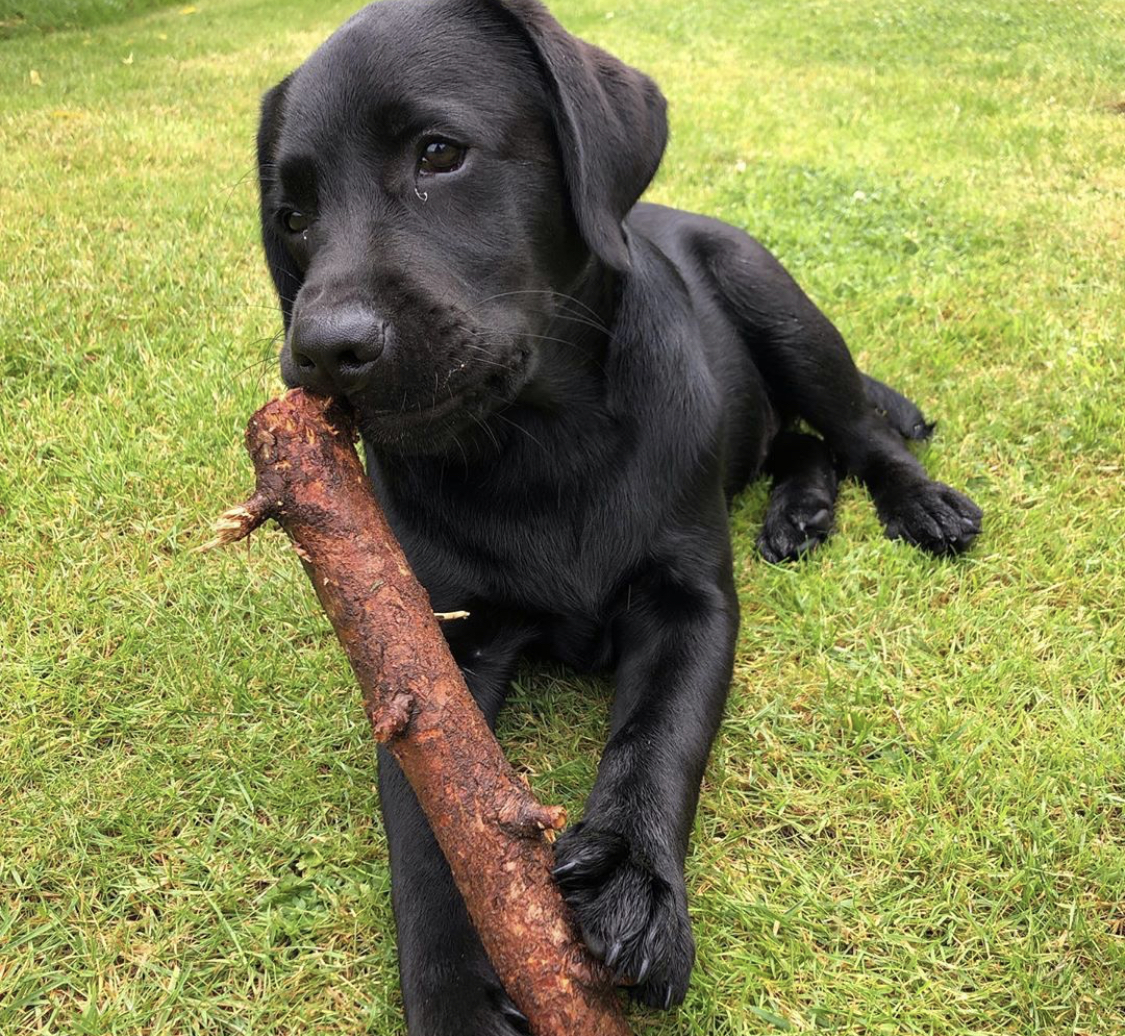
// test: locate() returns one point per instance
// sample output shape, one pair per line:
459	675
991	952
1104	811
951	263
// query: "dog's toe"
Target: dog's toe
934	517
794	526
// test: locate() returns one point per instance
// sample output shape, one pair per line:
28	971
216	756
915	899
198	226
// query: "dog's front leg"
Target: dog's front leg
448	985
621	868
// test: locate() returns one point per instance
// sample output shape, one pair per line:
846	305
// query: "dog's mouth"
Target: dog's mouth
442	422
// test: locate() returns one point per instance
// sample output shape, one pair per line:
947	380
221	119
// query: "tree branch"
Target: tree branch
493	832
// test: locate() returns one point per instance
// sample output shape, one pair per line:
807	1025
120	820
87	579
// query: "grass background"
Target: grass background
914	821
48	15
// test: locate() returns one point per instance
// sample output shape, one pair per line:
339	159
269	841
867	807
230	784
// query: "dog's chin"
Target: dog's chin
452	425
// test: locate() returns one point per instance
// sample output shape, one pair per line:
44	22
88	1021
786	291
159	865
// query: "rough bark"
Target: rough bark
493	832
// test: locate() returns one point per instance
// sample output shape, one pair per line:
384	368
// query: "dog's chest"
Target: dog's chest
568	561
555	557
565	579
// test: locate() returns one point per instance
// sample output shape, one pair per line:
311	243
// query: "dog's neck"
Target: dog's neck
573	346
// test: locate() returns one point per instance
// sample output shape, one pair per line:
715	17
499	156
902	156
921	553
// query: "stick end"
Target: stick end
236	523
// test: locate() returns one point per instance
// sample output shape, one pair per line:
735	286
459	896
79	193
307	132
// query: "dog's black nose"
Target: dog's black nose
335	349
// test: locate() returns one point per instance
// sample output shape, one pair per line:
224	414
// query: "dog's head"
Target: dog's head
433	179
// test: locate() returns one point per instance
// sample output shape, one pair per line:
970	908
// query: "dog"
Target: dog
559	391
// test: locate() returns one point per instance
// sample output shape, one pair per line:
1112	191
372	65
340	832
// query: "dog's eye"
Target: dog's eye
295	222
440	156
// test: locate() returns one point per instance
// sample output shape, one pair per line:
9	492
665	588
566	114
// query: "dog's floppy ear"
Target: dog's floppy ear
610	122
286	275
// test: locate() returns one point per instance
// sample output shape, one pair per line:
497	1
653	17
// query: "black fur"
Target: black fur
559	391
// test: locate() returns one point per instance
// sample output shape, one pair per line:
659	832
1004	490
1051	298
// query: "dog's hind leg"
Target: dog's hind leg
810	373
802	499
449	988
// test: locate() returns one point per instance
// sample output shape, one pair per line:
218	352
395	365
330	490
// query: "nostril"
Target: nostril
336	346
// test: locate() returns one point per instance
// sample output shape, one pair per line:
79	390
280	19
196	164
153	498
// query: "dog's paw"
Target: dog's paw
630	917
933	516
480	1008
506	1019
795	523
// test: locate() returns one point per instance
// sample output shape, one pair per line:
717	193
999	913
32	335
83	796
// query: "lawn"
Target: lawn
48	15
914	820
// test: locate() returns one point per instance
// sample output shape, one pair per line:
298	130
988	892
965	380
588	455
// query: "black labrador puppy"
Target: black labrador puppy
559	392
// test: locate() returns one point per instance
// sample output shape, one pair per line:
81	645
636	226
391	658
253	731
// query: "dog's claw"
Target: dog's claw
614	953
642	971
822	517
515	1015
667	996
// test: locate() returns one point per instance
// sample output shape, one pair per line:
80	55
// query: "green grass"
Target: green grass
914	820
49	15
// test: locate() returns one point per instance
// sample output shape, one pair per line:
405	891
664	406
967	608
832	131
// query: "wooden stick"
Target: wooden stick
493	832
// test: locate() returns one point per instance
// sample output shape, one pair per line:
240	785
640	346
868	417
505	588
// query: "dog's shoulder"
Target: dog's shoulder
655	356
730	276
692	240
